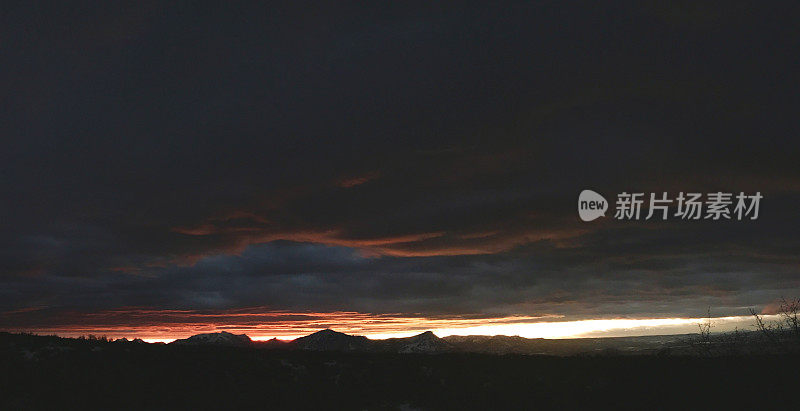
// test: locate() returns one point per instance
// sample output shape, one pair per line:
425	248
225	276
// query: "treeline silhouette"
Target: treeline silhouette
781	336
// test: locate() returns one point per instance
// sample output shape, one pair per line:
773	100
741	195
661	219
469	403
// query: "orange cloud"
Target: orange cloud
349	182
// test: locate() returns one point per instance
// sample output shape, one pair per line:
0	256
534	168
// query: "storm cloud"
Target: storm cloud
404	160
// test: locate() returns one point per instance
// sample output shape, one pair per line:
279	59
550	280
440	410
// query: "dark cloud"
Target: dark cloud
386	159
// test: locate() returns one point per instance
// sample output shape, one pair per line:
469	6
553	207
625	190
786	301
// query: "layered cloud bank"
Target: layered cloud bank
421	163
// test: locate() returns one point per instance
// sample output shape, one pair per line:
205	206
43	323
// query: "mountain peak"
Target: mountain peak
426	342
330	340
218	338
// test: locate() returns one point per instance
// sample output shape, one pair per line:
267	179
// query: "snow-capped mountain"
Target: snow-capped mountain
329	340
426	342
221	338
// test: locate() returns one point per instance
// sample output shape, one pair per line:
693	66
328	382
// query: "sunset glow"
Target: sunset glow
168	325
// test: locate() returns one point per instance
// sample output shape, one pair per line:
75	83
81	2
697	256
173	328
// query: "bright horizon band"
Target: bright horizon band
379	327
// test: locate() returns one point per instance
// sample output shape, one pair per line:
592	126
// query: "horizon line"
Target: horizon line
573	329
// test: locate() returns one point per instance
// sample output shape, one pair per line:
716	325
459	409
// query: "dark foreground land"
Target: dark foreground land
56	373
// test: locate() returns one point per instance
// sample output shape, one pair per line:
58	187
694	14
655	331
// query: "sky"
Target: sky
170	168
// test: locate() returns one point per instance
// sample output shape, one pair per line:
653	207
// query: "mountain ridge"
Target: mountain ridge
222	338
429	343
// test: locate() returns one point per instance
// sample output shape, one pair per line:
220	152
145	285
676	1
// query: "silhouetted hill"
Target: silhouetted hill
272	343
329	340
426	342
221	338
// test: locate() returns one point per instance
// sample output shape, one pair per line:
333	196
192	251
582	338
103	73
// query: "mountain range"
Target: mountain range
428	342
327	340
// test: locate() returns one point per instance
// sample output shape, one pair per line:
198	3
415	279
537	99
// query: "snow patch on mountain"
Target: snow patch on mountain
220	338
